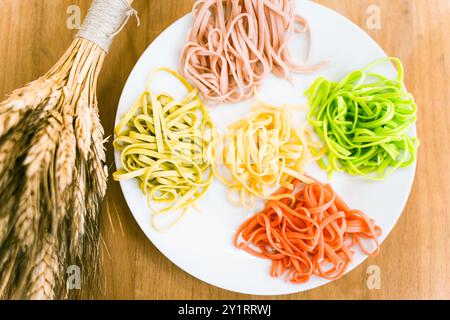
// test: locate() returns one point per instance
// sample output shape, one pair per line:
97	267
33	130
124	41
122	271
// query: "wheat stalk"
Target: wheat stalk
83	127
23	100
28	214
4	224
45	170
52	177
7	160
78	213
44	272
66	154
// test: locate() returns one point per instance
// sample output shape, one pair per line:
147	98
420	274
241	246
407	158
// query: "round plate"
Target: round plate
201	243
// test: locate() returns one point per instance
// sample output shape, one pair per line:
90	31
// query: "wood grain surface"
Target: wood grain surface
414	262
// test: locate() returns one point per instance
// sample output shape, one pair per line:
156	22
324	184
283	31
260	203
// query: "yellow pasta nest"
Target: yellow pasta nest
262	152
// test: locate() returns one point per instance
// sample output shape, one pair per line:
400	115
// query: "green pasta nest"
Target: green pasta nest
364	121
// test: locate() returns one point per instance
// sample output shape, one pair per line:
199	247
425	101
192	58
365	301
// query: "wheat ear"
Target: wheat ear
13	109
45	271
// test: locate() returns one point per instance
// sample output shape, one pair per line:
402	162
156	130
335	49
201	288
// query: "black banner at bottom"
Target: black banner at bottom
222	309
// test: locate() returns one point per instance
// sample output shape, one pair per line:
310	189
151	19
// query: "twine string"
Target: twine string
105	20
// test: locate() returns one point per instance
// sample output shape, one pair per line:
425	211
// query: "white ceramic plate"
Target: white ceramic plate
201	244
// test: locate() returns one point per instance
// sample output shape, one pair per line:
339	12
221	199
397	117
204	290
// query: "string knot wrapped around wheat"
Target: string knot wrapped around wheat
52	166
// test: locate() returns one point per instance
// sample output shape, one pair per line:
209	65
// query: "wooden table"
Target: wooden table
415	257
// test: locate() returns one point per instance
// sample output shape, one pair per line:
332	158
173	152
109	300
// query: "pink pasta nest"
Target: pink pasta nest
234	44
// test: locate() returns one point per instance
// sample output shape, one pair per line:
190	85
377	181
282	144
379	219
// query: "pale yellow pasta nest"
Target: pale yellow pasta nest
262	152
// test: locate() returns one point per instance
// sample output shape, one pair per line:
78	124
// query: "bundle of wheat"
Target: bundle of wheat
52	174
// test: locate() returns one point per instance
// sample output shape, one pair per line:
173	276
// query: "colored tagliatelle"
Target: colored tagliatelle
364	121
310	231
262	152
233	45
162	143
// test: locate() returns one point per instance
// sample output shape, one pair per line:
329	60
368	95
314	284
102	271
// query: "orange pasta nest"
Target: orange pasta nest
234	44
310	232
